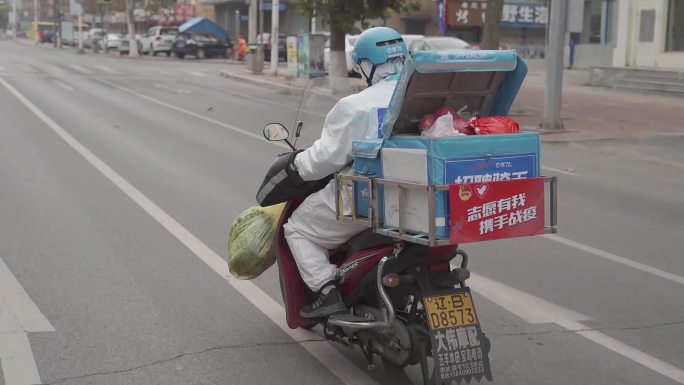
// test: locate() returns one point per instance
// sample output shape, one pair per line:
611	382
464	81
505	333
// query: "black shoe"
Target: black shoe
325	305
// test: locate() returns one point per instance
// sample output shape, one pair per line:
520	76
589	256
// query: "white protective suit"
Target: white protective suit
313	229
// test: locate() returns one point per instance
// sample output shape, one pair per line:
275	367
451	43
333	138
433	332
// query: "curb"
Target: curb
263	83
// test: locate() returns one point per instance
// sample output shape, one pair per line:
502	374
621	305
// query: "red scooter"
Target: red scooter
384	283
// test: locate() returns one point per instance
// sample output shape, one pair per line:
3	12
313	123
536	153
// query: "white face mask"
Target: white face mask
382	71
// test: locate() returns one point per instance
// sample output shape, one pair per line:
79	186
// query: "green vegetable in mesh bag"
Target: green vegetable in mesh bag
251	241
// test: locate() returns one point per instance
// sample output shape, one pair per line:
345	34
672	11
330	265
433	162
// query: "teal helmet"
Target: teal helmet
378	45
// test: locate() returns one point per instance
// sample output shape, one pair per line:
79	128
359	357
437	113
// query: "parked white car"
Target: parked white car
349	41
159	39
112	42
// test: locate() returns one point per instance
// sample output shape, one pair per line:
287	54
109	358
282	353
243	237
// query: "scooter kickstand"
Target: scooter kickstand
368	353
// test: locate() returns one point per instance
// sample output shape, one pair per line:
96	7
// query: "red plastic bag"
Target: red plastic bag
488	125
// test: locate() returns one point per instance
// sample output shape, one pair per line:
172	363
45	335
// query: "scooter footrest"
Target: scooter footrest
349	318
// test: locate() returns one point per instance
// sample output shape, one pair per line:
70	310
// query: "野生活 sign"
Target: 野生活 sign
496	210
525	15
472	13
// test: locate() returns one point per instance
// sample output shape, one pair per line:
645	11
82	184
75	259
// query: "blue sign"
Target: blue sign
282	7
525	15
441	17
381	118
490	169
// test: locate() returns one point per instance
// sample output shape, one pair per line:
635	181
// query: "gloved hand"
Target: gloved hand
291	169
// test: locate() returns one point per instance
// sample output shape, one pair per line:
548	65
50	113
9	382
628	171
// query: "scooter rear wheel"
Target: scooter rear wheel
396	374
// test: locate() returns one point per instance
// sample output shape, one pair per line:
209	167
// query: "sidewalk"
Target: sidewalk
588	113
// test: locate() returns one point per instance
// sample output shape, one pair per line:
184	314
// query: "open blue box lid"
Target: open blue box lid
484	81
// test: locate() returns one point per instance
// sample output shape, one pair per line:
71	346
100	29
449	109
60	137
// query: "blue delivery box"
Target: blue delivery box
478	83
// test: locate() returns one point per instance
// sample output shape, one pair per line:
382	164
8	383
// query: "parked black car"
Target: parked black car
199	45
282	47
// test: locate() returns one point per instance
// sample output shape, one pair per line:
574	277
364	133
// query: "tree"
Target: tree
492	27
4	14
343	16
130	23
101	10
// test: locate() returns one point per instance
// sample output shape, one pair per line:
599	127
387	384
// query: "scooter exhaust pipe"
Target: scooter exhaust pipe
390	315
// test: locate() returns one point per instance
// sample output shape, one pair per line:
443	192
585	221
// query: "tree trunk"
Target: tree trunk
338	58
130	19
492	28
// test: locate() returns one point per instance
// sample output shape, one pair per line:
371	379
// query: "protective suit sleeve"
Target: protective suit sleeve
332	151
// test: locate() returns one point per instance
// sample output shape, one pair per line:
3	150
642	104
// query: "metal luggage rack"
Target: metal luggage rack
372	219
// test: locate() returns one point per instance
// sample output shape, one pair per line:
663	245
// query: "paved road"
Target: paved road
119	179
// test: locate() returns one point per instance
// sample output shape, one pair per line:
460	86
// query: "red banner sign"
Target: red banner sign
496	210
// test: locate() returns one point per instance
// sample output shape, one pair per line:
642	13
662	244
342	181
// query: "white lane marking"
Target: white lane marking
580	246
177	90
616	258
610	343
18	315
190	113
526	306
332	359
558	170
66	87
106	69
161	71
81	69
198	74
536	310
16	357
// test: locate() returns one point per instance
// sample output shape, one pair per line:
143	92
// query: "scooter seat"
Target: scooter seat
367	239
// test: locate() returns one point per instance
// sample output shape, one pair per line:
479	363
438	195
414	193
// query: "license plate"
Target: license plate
450	310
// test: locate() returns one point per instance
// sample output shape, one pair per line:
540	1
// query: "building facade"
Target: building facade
232	15
523	22
650	33
632	33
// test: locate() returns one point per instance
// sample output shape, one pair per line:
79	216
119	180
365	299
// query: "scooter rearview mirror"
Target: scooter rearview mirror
276	132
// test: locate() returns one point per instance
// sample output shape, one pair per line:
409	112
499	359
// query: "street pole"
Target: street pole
252	24
16	18
55	12
80	29
261	22
237	25
275	16
555	49
35	19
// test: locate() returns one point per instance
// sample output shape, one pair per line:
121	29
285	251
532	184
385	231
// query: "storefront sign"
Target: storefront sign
183	12
525	15
496	210
472	13
466	13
